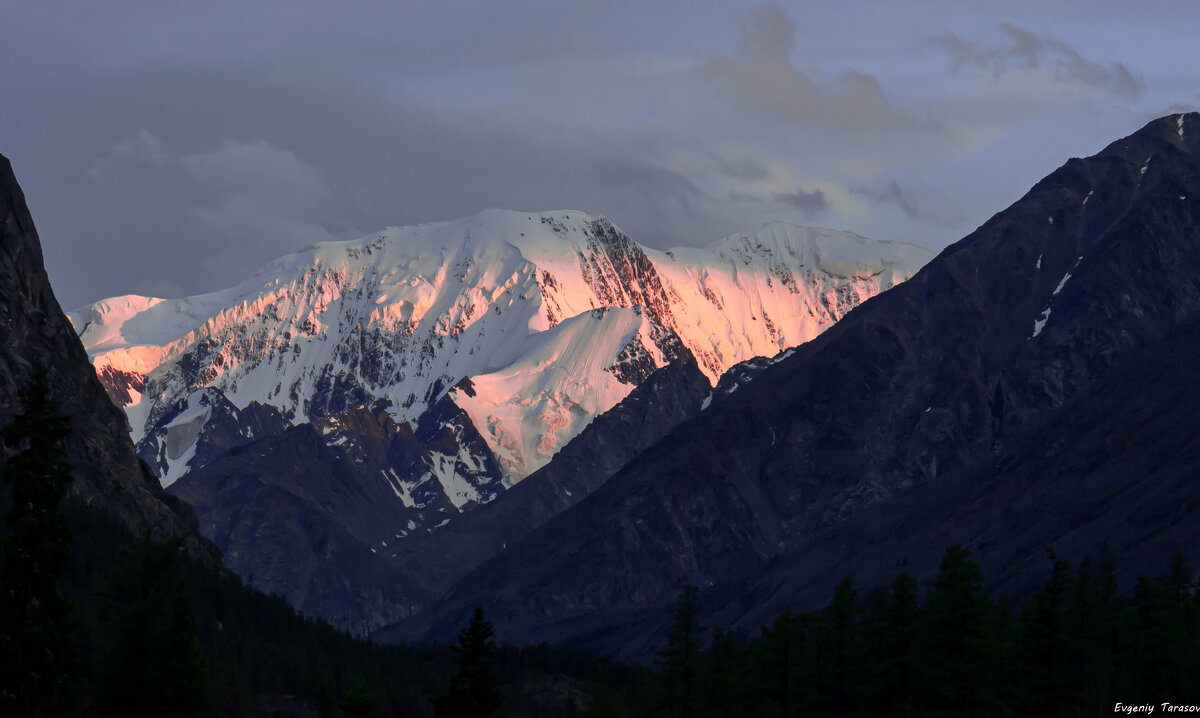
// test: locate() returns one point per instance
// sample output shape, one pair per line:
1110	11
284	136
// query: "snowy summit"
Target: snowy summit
531	323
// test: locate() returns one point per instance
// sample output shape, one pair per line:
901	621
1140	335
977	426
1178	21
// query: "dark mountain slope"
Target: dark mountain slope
313	514
666	398
34	330
295	517
959	362
1116	473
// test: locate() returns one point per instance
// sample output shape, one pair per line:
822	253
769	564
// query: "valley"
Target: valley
589	440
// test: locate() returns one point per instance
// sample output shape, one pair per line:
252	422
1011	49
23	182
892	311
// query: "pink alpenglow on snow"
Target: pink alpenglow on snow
554	317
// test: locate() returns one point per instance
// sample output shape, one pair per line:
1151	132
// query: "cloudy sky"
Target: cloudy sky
168	148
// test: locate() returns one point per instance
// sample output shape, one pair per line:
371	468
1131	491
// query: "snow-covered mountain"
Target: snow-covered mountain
529	324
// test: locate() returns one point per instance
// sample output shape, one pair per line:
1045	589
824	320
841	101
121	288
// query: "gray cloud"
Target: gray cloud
761	74
1026	50
1176	108
268	194
666	187
142	147
255	166
642	175
810	204
205	173
890	193
746	170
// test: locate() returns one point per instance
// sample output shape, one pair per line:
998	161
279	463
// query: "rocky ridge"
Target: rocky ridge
34	331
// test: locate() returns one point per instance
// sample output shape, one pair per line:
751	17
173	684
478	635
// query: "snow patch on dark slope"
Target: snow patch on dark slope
202	426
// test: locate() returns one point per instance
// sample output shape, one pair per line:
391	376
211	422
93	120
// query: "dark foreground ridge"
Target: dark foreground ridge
34	331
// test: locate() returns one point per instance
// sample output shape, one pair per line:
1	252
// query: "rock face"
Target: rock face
319	512
459	458
201	427
1098	261
34	330
295	517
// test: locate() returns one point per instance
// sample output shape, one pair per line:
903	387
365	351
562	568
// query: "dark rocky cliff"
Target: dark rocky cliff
33	331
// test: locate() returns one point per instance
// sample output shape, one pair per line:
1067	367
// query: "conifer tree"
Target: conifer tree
725	683
325	702
37	646
1179	581
358	703
957	647
1164	647
777	663
1090	626
1048	655
154	666
842	655
895	679
679	658
474	691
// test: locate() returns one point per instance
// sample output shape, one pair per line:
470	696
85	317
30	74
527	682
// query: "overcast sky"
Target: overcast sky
168	148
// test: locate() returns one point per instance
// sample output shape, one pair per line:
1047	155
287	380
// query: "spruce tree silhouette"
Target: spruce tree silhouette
154	666
678	660
358	703
958	651
474	690
37	644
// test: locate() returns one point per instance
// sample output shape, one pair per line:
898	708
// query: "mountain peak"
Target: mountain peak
396	319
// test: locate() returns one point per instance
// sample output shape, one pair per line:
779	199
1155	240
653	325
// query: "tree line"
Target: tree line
1076	647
